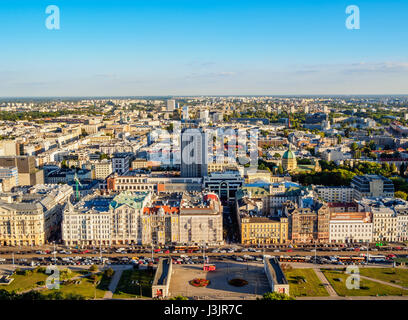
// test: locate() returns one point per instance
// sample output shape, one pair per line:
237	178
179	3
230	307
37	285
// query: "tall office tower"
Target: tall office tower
185	113
306	109
194	153
205	116
171	105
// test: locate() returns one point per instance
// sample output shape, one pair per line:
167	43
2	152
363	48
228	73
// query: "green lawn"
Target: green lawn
34	279
392	275
85	288
311	288
25	282
337	279
128	287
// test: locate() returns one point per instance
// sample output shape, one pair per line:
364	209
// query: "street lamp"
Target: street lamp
55	259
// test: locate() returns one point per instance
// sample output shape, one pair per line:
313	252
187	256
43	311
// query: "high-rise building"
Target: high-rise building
205	116
185	113
171	105
194	153
28	174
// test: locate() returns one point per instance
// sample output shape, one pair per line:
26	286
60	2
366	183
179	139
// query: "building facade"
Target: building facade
372	186
144	218
264	230
309	225
351	227
335	194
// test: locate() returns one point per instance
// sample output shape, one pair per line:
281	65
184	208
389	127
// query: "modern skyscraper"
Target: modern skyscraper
185	113
204	116
171	105
194	153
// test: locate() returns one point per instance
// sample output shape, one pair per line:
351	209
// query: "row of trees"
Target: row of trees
337	175
31	115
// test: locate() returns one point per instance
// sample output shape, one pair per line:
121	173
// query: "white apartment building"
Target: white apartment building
335	155
105	220
335	194
402	225
384	224
103	169
350	227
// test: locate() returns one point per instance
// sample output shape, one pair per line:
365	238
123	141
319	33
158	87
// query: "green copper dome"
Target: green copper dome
288	155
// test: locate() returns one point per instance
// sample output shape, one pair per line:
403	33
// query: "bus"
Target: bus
189	249
354	260
376	258
293	259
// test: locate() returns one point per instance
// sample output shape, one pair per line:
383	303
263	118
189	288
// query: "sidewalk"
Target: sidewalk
325	282
115	281
384	282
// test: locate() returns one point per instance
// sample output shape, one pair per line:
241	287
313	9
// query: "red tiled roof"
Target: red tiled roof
167	209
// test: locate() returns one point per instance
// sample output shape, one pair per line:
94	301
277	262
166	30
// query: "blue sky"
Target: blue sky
202	47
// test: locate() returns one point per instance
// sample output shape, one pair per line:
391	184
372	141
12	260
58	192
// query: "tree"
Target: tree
372	155
277	155
109	272
170	128
372	145
103	156
338	139
93	268
276	296
64	164
262	166
402	169
354	146
393	167
401	194
280	169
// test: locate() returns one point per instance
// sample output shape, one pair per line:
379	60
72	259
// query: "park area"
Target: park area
25	280
392	275
135	283
304	283
87	285
73	284
338	278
